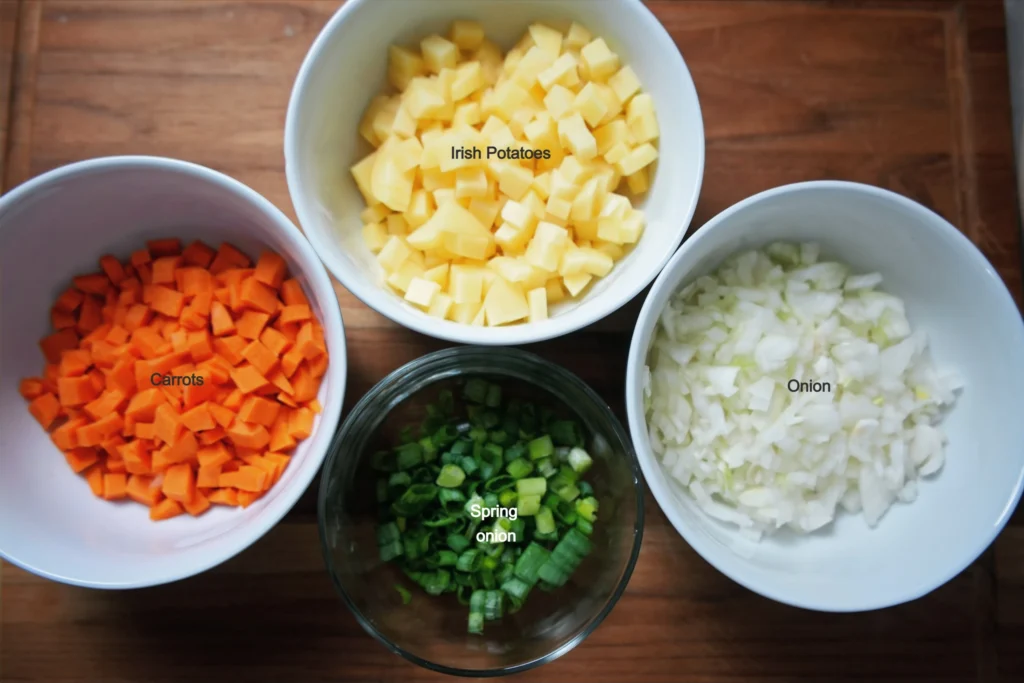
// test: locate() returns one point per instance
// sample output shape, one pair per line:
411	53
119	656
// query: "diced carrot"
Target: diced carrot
275	341
220	320
270	269
75	391
211	436
75	362
224	496
65	437
208	476
217	454
61	320
198	254
251	324
198	505
290	362
247	498
246	478
108	402
230	348
194	281
185	449
170	246
137	459
97	432
31	387
137	316
143	405
287	400
305	385
179	483
69	300
167	301
57	343
140	257
222	415
259	411
233	400
300	424
246	377
89	315
318	366
94	283
198	418
248	435
264	464
112	268
115	485
295	313
95	478
117	335
292	294
167	423
164	269
81	458
257	295
280	382
197	393
141	489
262	358
223	295
45	408
315	406
280	434
165	509
145	274
228	257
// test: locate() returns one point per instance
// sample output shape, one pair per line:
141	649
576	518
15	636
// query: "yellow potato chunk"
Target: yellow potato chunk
559	102
537	300
468	35
643	124
440	306
421	291
505	303
546	246
624	83
465	285
637	159
574	134
600	61
439	53
577	37
465	313
546	38
403	66
375	235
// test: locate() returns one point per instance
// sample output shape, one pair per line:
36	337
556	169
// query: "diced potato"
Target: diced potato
397	225
438	274
617	153
576	283
469	246
612	133
403	66
537	299
465	313
546	38
406	154
599	60
374	214
535	204
512	269
613	250
421	207
465	285
401	278
559	102
369	116
577	37
439	53
643	124
480	319
363	174
422	291
471	182
624	83
586	260
554	290
444	195
394	253
638	182
375	235
514	180
486	210
632	226
560	208
440	306
542	184
531	65
391	185
505	303
469	78
468	35
545	248
572	170
467	113
511	239
637	159
574	134
563	71
590	105
585	204
518	215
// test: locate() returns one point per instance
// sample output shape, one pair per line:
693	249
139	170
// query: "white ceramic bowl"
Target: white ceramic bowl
973	325
57	226
347	66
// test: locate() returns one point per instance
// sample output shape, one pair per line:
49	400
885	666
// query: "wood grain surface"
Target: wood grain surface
908	95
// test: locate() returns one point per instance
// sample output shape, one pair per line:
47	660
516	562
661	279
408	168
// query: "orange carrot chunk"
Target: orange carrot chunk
45	408
270	269
165	509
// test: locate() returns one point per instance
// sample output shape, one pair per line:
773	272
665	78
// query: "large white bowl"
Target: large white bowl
973	325
57	226
347	66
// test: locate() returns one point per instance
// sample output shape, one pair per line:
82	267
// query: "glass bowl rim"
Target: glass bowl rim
424	365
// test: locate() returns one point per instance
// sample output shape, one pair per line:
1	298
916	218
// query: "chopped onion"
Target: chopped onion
783	387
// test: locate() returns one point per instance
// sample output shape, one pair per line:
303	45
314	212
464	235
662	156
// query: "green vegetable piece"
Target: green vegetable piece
534	486
390	551
499	483
508	498
579	460
566	433
468	465
468	561
493	399
458	542
476	623
568	492
519	468
586	508
446	558
450	476
584	526
388	533
516	451
405	594
541	448
546	467
528	505
587	490
545	520
494	603
409	455
475	390
414	500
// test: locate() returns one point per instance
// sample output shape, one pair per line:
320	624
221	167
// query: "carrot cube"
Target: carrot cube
259	411
257	295
75	391
248	435
224	496
262	358
165	509
246	377
292	294
58	342
198	418
94	283
95	478
108	402
270	269
114	485
45	408
251	323
198	254
69	300
81	458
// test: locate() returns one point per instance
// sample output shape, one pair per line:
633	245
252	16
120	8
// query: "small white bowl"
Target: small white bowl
347	66
973	325
57	226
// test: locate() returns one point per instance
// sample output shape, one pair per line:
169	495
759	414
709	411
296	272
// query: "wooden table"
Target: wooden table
905	94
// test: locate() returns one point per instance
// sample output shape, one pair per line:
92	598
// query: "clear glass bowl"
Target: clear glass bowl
431	631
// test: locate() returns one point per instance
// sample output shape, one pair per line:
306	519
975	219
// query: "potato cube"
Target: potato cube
465	285
396	225
542	184
480	319
505	99
466	113
611	249
577	37
362	172
438	274
469	78
511	239
374	214
563	71
624	83
433	142
617	153
638	182
545	248
394	253
465	139
505	303
469	246
439	53
542	131
531	65
403	66
384	120
468	35
546	38
585	204
615	206
465	313
366	123
423	98
611	101
444	195
537	299
558	207
576	283
534	203
403	125
421	207
518	215
486	210
643	124
511	269
572	170
590	105
599	60
407	154
632	226
513	179
489	56
559	102
440	306
375	235
421	291
554	290
392	186
574	134
610	134
471	182
401	279
637	159
586	260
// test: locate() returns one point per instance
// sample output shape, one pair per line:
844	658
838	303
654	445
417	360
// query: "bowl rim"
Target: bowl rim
655	477
242	537
478	354
524	333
